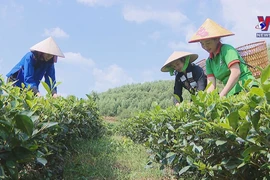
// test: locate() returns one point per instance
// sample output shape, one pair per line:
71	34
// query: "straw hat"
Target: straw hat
210	29
48	46
176	55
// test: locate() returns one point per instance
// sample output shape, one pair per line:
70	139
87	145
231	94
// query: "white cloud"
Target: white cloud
75	68
173	19
98	2
155	35
55	32
110	77
78	59
188	31
243	21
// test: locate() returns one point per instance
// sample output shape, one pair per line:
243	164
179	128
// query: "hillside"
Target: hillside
125	100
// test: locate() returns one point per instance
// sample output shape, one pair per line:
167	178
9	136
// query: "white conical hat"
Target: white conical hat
210	29
48	46
175	56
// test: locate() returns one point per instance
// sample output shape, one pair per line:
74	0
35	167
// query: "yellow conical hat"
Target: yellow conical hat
48	46
210	29
175	56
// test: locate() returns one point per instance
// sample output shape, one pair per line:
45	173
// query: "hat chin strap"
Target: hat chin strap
171	71
186	64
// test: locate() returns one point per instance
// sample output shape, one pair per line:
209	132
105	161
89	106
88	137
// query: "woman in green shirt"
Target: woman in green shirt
224	62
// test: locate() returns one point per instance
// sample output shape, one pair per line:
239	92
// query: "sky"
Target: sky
110	43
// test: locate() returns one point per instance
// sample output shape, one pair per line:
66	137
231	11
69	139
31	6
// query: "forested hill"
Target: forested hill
125	100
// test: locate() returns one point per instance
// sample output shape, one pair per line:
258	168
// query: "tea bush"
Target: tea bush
36	132
212	137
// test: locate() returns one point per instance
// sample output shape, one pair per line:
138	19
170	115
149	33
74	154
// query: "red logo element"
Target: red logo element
202	32
266	22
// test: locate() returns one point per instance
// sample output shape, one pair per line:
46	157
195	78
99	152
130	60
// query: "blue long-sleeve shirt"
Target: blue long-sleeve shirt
30	72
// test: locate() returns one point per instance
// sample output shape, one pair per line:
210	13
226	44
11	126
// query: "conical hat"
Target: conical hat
210	29
48	46
175	56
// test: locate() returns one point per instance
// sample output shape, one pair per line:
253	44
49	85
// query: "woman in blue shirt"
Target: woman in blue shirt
188	75
35	65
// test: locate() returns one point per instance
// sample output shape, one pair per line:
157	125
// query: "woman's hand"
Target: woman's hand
55	95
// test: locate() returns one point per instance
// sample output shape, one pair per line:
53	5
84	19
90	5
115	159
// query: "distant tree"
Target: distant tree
94	95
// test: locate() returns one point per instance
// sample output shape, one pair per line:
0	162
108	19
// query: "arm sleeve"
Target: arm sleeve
178	88
29	72
231	56
50	73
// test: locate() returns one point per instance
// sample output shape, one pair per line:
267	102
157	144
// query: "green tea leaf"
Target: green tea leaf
183	170
242	113
170	127
42	161
29	103
161	140
176	97
244	129
23	155
46	87
266	86
190	160
241	165
220	142
233	119
195	148
232	163
257	91
255	117
5	126
170	157
57	106
251	149
2	172
49	124
247	82
208	85
24	123
12	169
225	126
265	74
267	95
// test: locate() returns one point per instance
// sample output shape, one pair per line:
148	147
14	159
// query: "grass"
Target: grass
111	157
